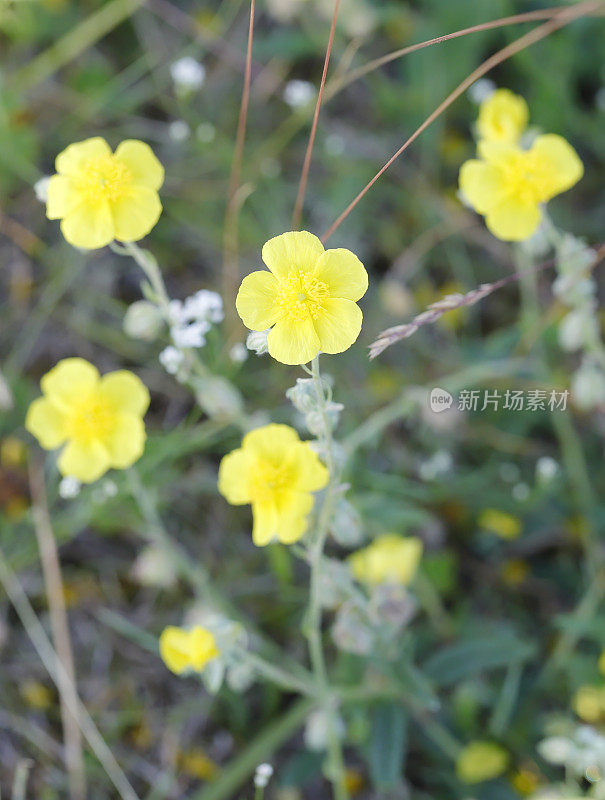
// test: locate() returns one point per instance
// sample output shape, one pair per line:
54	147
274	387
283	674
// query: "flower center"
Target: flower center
521	178
268	481
301	295
104	178
91	418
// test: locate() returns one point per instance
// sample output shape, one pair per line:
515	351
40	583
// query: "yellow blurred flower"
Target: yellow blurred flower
182	650
277	473
525	781
514	571
589	703
12	452
307	298
507	185
601	663
197	764
100	196
503	117
99	419
504	525
388	559
36	695
481	761
353	780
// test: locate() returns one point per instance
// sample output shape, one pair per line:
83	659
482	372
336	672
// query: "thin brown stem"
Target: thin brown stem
337	84
74	760
566	16
302	187
230	233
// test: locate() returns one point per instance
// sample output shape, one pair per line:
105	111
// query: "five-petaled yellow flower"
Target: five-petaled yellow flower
503	117
183	650
277	473
100	420
507	185
100	196
390	558
308	298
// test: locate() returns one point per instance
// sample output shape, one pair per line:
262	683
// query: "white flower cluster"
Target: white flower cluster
579	330
262	776
187	73
190	320
581	752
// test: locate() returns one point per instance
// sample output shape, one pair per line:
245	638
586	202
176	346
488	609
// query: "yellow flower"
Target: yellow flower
481	761
307	298
507	184
275	472
504	525
589	703
100	419
601	663
502	117
183	650
388	559
36	695
198	765
100	196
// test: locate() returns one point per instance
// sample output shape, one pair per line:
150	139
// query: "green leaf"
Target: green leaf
388	743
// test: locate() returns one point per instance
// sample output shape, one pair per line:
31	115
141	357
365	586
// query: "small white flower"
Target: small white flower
187	73
481	90
204	305
438	464
179	130
298	93
257	342
588	386
263	775
152	568
578	329
546	469
69	487
41	188
521	492
191	335
238	353
171	359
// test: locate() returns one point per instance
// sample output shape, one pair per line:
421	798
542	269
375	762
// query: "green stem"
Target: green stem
152	272
336	769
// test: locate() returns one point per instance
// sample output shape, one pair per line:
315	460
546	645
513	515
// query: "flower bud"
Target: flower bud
143	320
257	342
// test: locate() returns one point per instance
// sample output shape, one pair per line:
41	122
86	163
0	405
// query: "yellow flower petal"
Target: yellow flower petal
502	117
311	475
86	461
89	226
481	761
125	391
46	422
70	378
255	302
62	197
343	272
135	213
556	163
338	325
390	558
513	220
233	477
202	648
293	341
271	442
264	527
70	161
174	649
292	516
295	250
142	163
126	442
481	185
